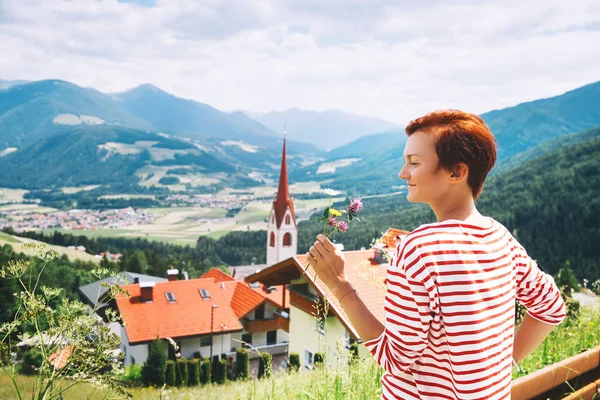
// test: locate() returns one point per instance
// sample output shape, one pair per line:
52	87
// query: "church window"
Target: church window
287	239
287	219
272	240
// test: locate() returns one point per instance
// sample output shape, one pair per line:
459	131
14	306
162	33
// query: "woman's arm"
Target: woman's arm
365	323
531	334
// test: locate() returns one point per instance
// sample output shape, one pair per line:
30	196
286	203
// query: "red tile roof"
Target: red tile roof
391	238
59	358
218	275
189	315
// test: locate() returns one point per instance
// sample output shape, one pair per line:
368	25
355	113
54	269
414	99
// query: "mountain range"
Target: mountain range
144	132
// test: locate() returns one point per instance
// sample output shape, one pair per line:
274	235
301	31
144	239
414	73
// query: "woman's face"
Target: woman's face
426	183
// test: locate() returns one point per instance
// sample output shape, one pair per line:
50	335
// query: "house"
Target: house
211	316
366	270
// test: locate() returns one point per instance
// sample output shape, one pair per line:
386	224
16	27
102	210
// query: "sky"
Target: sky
391	59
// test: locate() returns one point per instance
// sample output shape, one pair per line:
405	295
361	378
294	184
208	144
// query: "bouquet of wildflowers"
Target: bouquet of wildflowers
332	219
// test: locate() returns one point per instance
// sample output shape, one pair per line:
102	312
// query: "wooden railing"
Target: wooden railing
577	377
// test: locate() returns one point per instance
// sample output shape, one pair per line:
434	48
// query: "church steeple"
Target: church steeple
282	229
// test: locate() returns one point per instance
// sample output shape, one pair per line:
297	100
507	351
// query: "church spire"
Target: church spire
283	194
283	201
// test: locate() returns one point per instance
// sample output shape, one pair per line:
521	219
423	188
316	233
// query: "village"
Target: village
24	219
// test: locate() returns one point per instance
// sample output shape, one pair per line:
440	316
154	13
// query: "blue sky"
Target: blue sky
386	58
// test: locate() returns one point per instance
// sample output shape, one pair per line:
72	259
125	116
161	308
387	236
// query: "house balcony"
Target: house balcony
280	320
307	302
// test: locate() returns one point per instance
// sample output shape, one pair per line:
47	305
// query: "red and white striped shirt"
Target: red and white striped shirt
450	311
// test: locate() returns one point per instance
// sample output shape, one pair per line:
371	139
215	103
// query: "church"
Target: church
282	227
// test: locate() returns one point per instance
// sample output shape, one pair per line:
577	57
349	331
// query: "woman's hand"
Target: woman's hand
329	263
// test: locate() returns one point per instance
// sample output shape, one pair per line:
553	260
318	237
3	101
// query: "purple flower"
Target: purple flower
342	226
355	206
331	221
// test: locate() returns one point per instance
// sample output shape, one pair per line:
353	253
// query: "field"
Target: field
18	242
183	225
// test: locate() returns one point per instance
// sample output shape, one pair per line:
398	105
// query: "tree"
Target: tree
566	278
242	364
153	370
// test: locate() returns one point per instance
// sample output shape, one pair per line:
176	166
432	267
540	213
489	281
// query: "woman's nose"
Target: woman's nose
403	174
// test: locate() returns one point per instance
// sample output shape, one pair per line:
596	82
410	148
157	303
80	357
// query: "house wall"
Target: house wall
305	336
133	353
221	344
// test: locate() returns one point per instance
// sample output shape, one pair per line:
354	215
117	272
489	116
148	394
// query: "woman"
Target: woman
451	285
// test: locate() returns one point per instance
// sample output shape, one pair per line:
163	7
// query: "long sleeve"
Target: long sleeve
537	292
408	307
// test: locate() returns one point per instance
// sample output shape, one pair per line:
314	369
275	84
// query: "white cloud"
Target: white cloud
385	58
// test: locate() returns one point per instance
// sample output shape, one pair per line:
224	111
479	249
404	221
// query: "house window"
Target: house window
259	313
287	239
287	219
246	338
170	297
272	240
308	359
204	293
206	341
271	337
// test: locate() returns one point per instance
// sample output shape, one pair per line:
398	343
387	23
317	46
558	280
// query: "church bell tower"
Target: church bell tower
282	229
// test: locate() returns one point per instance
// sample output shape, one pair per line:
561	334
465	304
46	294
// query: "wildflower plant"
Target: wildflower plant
75	347
333	219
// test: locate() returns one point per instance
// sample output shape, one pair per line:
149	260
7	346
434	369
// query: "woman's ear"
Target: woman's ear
459	172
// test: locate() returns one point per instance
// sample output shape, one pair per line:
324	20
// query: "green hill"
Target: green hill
528	124
37	110
99	155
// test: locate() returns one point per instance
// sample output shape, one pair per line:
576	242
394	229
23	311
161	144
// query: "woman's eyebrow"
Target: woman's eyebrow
411	155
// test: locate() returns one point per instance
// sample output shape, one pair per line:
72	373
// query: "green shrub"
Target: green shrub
319	359
242	364
264	367
153	370
293	361
205	376
170	379
32	360
221	371
133	374
193	372
181	372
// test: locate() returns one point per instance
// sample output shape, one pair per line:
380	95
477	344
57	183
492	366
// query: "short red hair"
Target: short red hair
461	138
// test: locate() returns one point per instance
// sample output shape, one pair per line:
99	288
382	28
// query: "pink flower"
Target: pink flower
342	226
332	221
355	206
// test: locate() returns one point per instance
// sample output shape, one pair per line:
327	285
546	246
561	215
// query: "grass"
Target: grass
567	340
338	382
